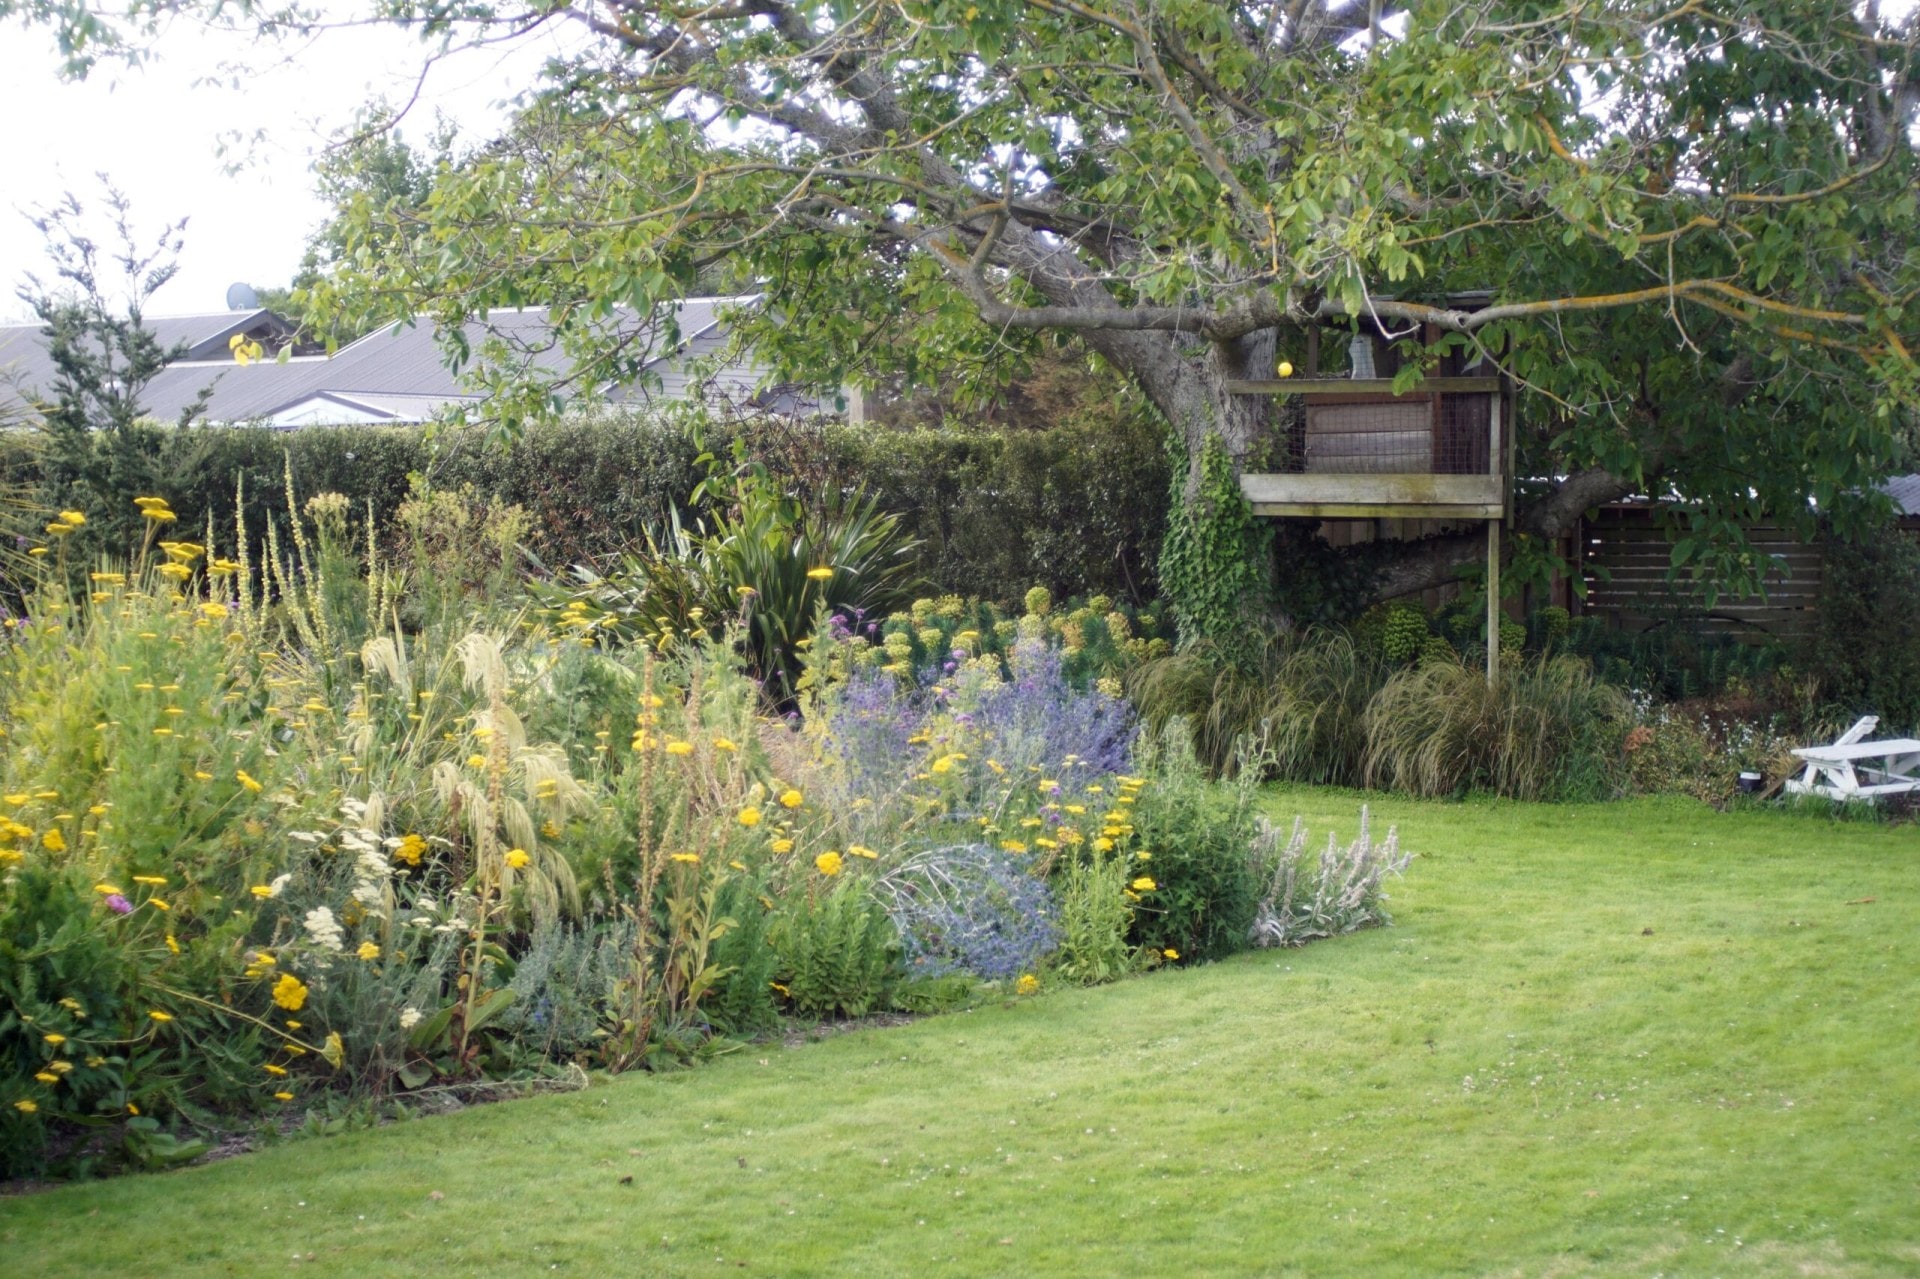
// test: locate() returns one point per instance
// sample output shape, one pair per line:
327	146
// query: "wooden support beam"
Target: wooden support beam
1493	600
1319	493
1362	386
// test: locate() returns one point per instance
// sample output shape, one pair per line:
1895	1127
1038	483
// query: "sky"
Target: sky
156	131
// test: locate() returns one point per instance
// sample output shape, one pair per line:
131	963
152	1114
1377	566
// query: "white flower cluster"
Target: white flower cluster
324	930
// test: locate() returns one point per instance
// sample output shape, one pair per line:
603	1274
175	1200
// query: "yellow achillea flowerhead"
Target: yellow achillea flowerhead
679	748
1027	985
1144	884
410	850
246	779
861	850
53	841
73	519
723	744
157	1015
55	1038
820	574
1169	953
26	1106
686	859
283	1096
517	858
368	951
791	798
749	817
828	863
781	845
46	1077
290	992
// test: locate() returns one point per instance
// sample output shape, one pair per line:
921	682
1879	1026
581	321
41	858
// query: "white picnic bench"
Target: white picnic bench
1853	768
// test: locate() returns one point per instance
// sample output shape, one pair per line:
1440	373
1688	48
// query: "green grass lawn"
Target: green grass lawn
1629	1039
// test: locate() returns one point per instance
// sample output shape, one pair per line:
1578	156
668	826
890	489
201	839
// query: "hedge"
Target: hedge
1078	509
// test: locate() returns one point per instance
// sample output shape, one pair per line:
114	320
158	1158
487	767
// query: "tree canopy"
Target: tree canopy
1695	219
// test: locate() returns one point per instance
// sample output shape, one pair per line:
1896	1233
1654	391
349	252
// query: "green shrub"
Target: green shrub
839	953
1304	696
1546	728
1095	893
1195	841
1865	649
1080	508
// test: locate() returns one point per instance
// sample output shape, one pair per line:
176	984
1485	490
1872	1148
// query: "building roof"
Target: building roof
1905	492
399	373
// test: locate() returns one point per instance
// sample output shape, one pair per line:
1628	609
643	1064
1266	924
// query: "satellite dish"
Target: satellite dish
241	297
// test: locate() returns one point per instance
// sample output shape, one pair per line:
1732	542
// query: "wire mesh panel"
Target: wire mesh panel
1376	433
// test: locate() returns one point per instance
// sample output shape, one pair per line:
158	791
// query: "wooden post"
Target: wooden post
1493	600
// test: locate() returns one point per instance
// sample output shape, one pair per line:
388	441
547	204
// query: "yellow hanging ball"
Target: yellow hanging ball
1286	369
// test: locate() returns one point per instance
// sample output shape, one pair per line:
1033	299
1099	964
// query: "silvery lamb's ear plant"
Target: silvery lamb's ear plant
1343	893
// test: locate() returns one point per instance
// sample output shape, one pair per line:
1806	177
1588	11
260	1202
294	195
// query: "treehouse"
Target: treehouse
1347	446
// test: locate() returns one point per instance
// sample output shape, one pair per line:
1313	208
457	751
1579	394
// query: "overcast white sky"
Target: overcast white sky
155	131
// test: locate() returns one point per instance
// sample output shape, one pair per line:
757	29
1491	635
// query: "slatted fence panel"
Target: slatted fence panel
1625	557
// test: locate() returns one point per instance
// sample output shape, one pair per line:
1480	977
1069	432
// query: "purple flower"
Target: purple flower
119	905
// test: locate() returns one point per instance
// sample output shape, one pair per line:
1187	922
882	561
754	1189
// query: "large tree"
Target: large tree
1696	218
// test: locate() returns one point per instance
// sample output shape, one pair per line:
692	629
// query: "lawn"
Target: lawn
1642	1038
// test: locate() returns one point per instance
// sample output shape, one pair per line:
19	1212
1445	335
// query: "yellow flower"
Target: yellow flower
283	1096
272	1069
686	859
261	890
828	863
106	888
476	761
722	744
749	817
60	1067
55	1039
157	904
1027	985
1013	846
679	748
214	611
410	850
820	574
157	1015
368	951
1170	953
246	779
17	800
46	1076
26	1106
176	572
1144	884
156	880
861	850
73	518
1076	809
791	798
1103	844
53	841
782	845
290	992
517	858
173	944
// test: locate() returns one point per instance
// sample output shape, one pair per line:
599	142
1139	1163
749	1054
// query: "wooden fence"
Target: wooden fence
1623	555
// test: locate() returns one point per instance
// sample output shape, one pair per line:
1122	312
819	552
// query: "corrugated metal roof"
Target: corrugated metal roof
1905	492
26	367
401	368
